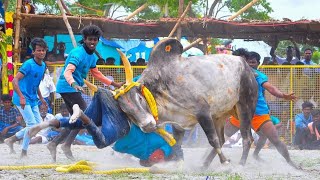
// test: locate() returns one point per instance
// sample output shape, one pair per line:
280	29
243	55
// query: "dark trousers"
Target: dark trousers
67	134
104	112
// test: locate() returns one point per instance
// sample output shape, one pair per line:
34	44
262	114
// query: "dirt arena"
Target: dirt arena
274	166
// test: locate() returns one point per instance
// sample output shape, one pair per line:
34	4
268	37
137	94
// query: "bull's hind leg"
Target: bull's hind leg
209	128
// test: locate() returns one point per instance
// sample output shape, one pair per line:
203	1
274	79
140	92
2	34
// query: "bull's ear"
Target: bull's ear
165	50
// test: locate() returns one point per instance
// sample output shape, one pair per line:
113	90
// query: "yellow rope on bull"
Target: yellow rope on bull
80	167
151	102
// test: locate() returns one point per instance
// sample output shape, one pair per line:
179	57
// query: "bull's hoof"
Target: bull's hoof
258	158
226	162
242	162
295	166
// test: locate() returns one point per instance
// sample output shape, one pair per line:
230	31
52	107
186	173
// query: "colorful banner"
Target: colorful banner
9	33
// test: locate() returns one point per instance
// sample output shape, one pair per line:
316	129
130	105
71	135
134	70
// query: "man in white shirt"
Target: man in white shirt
47	89
308	61
42	136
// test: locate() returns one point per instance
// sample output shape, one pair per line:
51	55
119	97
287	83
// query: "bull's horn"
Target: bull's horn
127	67
91	86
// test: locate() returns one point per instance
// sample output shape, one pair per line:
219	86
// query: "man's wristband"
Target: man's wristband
73	84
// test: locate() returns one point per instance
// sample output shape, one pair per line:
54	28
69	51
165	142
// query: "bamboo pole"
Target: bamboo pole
180	19
192	44
136	11
242	10
180	11
65	7
16	52
65	19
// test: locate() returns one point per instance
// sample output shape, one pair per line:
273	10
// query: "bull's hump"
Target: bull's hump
164	51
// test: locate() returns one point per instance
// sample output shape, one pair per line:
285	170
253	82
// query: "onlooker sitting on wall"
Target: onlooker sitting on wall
314	128
27	7
43	135
290	58
10	118
84	138
47	89
301	121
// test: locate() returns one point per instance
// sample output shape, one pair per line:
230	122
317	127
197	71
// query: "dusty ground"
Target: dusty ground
274	166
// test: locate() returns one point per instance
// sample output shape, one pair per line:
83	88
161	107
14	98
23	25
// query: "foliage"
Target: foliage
316	57
214	42
259	11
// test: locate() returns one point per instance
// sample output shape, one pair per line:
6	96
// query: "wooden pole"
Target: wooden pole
65	7
65	19
16	52
180	12
136	11
179	20
243	9
192	44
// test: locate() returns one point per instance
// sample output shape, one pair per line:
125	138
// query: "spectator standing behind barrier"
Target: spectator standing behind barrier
303	87
47	89
308	61
10	118
26	92
289	52
301	121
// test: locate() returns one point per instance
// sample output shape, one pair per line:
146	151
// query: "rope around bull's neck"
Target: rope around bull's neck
153	108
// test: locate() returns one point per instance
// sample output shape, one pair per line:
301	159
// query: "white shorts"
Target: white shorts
44	138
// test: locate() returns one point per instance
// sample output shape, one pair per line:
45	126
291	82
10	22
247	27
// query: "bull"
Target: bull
204	89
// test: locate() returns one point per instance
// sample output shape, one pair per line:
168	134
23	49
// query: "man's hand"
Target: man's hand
44	102
4	131
118	85
77	87
22	102
290	97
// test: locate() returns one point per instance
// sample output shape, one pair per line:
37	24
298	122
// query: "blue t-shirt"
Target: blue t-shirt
262	106
29	84
140	144
301	122
83	62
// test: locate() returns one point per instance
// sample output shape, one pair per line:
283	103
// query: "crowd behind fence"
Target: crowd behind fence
303	80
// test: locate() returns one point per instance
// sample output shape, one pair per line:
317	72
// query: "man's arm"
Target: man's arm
297	49
97	74
277	93
16	88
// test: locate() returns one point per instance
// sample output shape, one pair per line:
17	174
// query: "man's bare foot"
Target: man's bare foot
76	113
257	157
67	152
23	154
53	150
10	141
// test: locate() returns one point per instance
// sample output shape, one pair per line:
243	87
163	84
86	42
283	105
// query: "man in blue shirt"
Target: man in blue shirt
261	122
26	93
301	122
80	61
10	118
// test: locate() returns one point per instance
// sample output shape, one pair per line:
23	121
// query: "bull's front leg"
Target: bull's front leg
209	128
178	134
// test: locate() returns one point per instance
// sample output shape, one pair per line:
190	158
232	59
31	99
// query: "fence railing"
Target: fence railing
304	81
